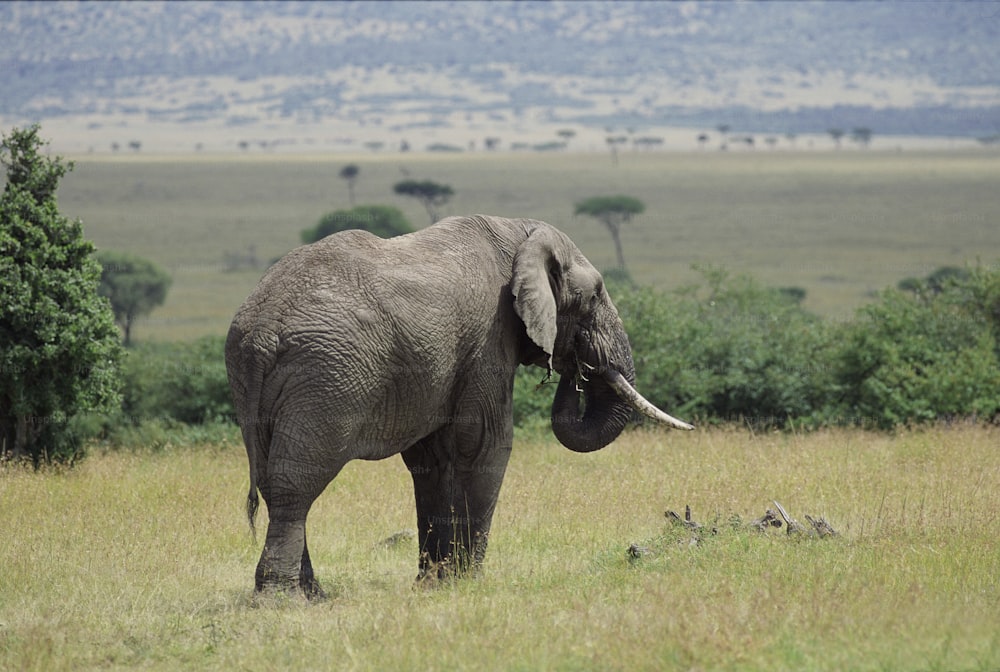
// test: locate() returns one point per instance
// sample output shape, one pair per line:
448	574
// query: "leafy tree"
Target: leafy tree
613	141
135	286
430	194
349	173
836	134
722	129
566	134
862	136
612	212
384	221
59	349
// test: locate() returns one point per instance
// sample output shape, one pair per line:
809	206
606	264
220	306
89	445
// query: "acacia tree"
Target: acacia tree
430	194
836	134
612	212
134	286
59	348
349	173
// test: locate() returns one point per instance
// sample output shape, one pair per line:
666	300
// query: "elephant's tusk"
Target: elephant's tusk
631	396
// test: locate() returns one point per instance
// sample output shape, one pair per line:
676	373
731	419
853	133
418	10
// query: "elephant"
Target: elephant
358	347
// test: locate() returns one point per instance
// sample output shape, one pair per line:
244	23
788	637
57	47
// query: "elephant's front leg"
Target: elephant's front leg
455	501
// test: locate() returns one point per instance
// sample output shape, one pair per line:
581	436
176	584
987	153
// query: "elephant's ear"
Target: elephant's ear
536	280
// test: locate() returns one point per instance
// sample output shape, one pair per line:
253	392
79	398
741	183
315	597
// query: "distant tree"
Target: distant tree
836	134
133	285
702	140
404	146
115	146
613	141
385	221
566	134
791	137
548	146
59	349
771	141
612	212
491	143
430	194
935	282
349	174
722	129
648	141
135	145
862	136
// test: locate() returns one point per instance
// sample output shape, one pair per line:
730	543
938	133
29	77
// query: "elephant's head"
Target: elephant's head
568	314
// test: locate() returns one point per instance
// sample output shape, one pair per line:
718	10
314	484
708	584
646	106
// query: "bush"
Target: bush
924	356
385	221
729	350
184	382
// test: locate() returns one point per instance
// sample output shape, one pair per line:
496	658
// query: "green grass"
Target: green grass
143	560
839	224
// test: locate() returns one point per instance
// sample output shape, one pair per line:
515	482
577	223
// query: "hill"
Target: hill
346	72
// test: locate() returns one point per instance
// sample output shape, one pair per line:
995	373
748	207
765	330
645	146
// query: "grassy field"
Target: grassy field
143	561
839	224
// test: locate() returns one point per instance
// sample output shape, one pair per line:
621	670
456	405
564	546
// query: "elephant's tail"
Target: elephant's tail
247	367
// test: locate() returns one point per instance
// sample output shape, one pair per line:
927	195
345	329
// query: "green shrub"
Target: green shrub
185	382
731	349
385	221
533	398
926	356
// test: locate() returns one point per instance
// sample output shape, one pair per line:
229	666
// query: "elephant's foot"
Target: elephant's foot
284	565
310	590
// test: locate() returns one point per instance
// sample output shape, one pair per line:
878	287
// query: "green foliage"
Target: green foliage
134	286
533	398
431	194
610	207
922	357
728	350
59	348
183	382
385	221
935	282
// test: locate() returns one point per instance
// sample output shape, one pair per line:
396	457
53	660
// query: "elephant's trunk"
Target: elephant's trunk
604	416
609	400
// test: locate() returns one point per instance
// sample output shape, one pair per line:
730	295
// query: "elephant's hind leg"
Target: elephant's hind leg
307	581
284	563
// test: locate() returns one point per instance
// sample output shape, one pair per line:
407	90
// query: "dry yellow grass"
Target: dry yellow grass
143	560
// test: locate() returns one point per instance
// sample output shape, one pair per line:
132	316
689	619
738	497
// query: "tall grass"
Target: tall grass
143	560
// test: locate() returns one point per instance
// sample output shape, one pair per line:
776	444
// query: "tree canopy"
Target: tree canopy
431	194
385	221
134	286
59	349
612	212
349	173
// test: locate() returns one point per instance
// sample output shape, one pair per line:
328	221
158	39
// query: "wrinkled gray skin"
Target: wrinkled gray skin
356	347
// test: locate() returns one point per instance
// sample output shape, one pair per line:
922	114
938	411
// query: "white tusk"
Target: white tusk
630	395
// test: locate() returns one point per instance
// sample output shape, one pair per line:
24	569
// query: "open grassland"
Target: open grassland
839	224
143	560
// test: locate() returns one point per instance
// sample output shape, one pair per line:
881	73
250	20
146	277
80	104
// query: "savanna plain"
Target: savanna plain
141	557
